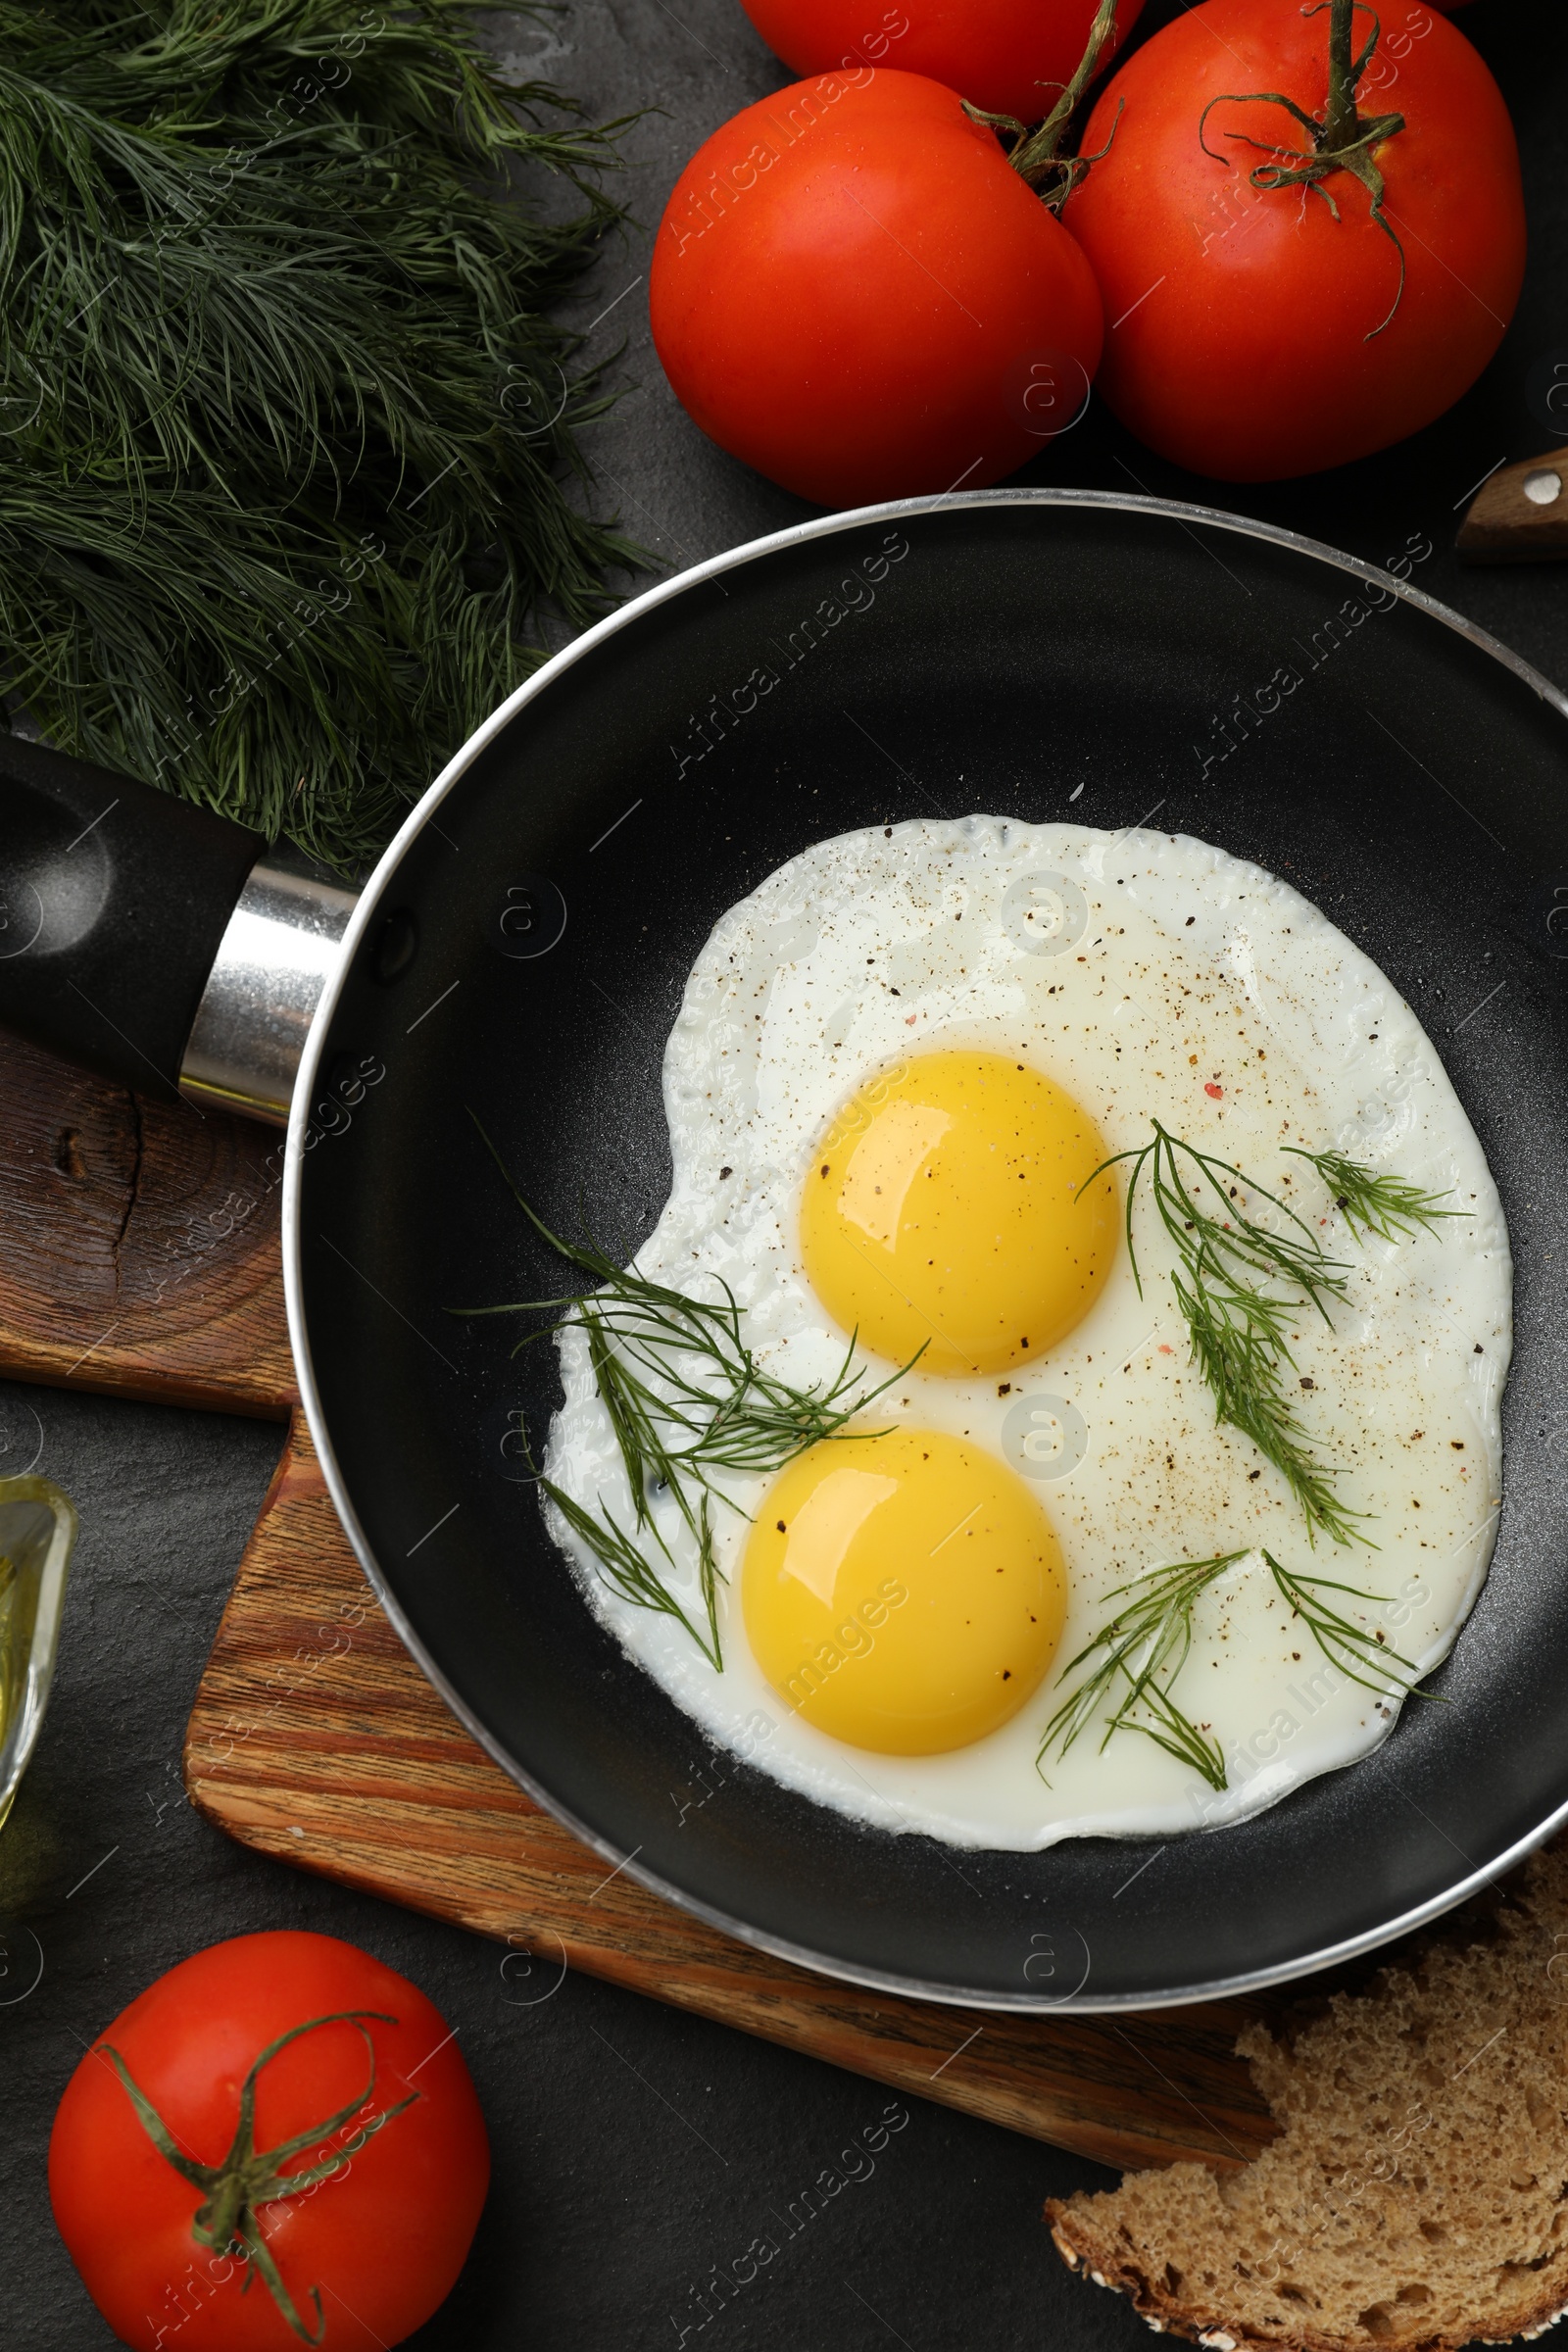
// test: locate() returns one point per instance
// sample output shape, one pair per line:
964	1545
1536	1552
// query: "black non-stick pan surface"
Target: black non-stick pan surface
522	954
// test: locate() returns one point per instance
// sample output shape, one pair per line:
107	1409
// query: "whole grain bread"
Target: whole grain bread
1417	2196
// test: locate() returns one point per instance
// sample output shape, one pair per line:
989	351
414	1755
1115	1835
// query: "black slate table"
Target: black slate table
634	2147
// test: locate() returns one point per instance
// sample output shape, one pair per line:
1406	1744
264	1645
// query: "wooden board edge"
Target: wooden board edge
252	1396
978	2089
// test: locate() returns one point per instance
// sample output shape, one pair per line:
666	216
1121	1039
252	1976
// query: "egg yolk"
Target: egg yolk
942	1210
902	1592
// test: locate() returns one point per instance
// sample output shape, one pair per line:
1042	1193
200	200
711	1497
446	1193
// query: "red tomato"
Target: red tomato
363	2256
1240	336
1004	55
851	291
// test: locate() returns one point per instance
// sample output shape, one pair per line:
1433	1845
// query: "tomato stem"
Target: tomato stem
1033	154
249	2177
1343	137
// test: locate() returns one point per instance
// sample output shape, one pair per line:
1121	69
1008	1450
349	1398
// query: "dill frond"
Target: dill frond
1240	1330
1370	1200
292	444
627	1572
1140	1653
687	1400
1347	1647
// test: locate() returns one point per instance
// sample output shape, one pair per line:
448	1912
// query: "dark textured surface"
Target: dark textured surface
634	2149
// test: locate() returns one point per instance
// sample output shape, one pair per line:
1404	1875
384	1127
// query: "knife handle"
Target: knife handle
144	939
1521	516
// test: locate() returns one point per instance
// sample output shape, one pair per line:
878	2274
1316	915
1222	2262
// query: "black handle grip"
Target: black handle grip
112	901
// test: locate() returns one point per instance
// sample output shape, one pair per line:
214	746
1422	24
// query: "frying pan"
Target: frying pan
520	955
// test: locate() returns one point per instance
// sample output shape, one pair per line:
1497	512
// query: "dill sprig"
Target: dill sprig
1140	1653
1143	1648
292	457
1241	1332
1346	1645
1370	1200
687	1400
628	1572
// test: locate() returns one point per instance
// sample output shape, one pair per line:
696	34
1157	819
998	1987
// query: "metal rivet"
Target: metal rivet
395	943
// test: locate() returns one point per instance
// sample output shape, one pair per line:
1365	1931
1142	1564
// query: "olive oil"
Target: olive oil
37	1530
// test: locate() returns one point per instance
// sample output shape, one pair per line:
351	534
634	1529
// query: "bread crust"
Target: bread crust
1416	2199
1169	2317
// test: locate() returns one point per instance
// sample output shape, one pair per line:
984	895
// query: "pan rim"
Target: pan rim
1083	2003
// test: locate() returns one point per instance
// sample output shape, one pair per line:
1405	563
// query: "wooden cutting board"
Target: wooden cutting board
140	1254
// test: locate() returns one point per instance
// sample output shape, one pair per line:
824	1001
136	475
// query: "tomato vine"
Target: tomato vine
1343	140
1034	155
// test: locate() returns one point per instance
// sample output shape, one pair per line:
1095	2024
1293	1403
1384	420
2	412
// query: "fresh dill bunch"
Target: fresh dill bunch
1239	1331
293	473
1141	1651
687	1400
1370	1200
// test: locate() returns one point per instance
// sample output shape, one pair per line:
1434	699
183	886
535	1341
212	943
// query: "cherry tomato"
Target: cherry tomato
345	2217
1006	55
853	292
1251	333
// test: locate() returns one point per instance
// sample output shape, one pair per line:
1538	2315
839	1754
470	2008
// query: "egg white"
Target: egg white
1138	971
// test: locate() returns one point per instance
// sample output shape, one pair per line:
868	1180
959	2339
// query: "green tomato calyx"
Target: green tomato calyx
249	2177
1343	140
1034	155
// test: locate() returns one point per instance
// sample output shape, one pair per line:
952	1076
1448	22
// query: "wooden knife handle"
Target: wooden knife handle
1519	515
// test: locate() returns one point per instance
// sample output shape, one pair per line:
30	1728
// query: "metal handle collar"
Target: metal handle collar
282	945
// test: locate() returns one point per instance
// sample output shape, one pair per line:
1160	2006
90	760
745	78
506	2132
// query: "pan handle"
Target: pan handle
147	940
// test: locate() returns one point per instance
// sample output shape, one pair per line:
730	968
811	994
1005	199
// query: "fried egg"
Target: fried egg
898	1070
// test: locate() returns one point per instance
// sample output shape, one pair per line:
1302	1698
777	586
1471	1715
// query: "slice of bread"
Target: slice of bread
1417	2196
